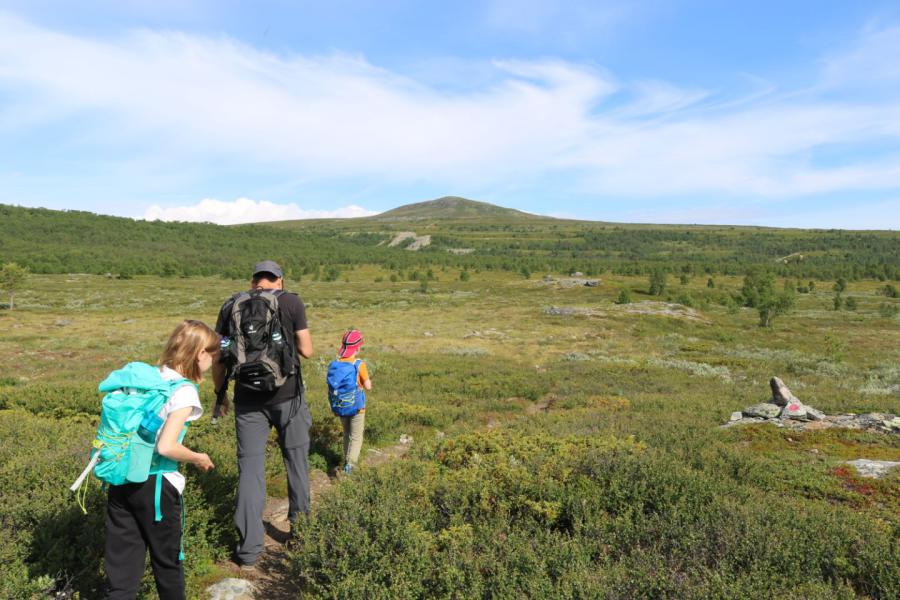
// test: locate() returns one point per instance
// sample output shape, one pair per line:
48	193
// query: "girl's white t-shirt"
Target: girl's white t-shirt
184	396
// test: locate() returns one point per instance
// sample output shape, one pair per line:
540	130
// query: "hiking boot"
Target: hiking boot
248	569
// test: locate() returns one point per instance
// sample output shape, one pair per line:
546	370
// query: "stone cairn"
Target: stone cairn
784	409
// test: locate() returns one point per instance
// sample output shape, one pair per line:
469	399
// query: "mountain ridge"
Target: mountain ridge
451	207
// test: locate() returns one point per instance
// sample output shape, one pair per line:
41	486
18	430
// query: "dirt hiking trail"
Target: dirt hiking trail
271	577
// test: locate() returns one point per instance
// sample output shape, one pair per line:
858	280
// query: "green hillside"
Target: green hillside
502	239
453	207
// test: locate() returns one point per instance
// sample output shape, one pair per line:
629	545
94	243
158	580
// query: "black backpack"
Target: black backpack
259	354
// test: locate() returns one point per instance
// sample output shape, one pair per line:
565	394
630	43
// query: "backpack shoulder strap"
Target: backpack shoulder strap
237	298
164	395
275	295
177	384
228	305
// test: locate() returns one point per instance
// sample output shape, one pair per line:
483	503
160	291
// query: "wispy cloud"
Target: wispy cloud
872	59
193	100
245	210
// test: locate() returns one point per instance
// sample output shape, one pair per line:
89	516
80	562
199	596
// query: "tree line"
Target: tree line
48	241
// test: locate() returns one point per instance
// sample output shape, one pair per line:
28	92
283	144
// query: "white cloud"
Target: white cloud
245	210
192	102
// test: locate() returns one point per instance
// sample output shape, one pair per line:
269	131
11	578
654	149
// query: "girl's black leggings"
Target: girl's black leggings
131	530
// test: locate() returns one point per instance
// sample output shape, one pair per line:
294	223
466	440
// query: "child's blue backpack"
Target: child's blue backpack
344	394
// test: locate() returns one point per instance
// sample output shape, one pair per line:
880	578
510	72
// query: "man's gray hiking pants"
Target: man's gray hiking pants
253	425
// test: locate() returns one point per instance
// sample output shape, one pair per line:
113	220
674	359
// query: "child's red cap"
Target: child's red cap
350	343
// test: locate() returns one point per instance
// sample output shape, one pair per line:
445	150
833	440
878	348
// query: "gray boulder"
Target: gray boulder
764	410
781	395
872	468
813	414
231	589
794	410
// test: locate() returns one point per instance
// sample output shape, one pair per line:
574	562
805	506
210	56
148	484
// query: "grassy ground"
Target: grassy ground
579	455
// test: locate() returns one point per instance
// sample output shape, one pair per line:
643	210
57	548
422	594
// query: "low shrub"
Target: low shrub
506	515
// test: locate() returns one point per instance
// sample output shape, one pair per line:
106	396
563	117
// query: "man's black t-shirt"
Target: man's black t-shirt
292	313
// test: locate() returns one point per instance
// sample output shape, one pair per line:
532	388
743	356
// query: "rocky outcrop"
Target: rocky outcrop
875	469
418	241
784	409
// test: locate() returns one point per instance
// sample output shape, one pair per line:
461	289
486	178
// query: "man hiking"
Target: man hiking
263	331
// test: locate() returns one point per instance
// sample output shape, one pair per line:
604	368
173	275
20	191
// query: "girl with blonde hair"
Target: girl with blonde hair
149	514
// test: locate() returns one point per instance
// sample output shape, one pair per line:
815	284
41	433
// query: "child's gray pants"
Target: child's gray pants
353	437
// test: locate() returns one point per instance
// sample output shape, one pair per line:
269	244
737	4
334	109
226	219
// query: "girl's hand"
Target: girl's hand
203	462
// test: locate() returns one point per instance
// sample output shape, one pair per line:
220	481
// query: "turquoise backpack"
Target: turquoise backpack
124	447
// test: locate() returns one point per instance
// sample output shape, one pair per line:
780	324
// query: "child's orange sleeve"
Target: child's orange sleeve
363	374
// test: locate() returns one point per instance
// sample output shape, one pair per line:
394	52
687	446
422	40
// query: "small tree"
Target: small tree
759	292
838	301
771	306
840	285
332	273
657	282
464	275
624	296
684	279
710	283
12	276
850	303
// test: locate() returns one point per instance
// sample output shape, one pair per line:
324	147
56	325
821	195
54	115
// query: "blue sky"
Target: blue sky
767	113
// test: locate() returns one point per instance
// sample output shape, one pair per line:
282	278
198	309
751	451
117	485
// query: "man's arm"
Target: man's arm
219	370
304	343
220	385
218	373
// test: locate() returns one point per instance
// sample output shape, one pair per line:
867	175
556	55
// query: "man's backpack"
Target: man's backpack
344	394
259	354
124	446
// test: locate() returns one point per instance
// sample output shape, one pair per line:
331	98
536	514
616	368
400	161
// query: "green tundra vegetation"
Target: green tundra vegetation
566	441
464	235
